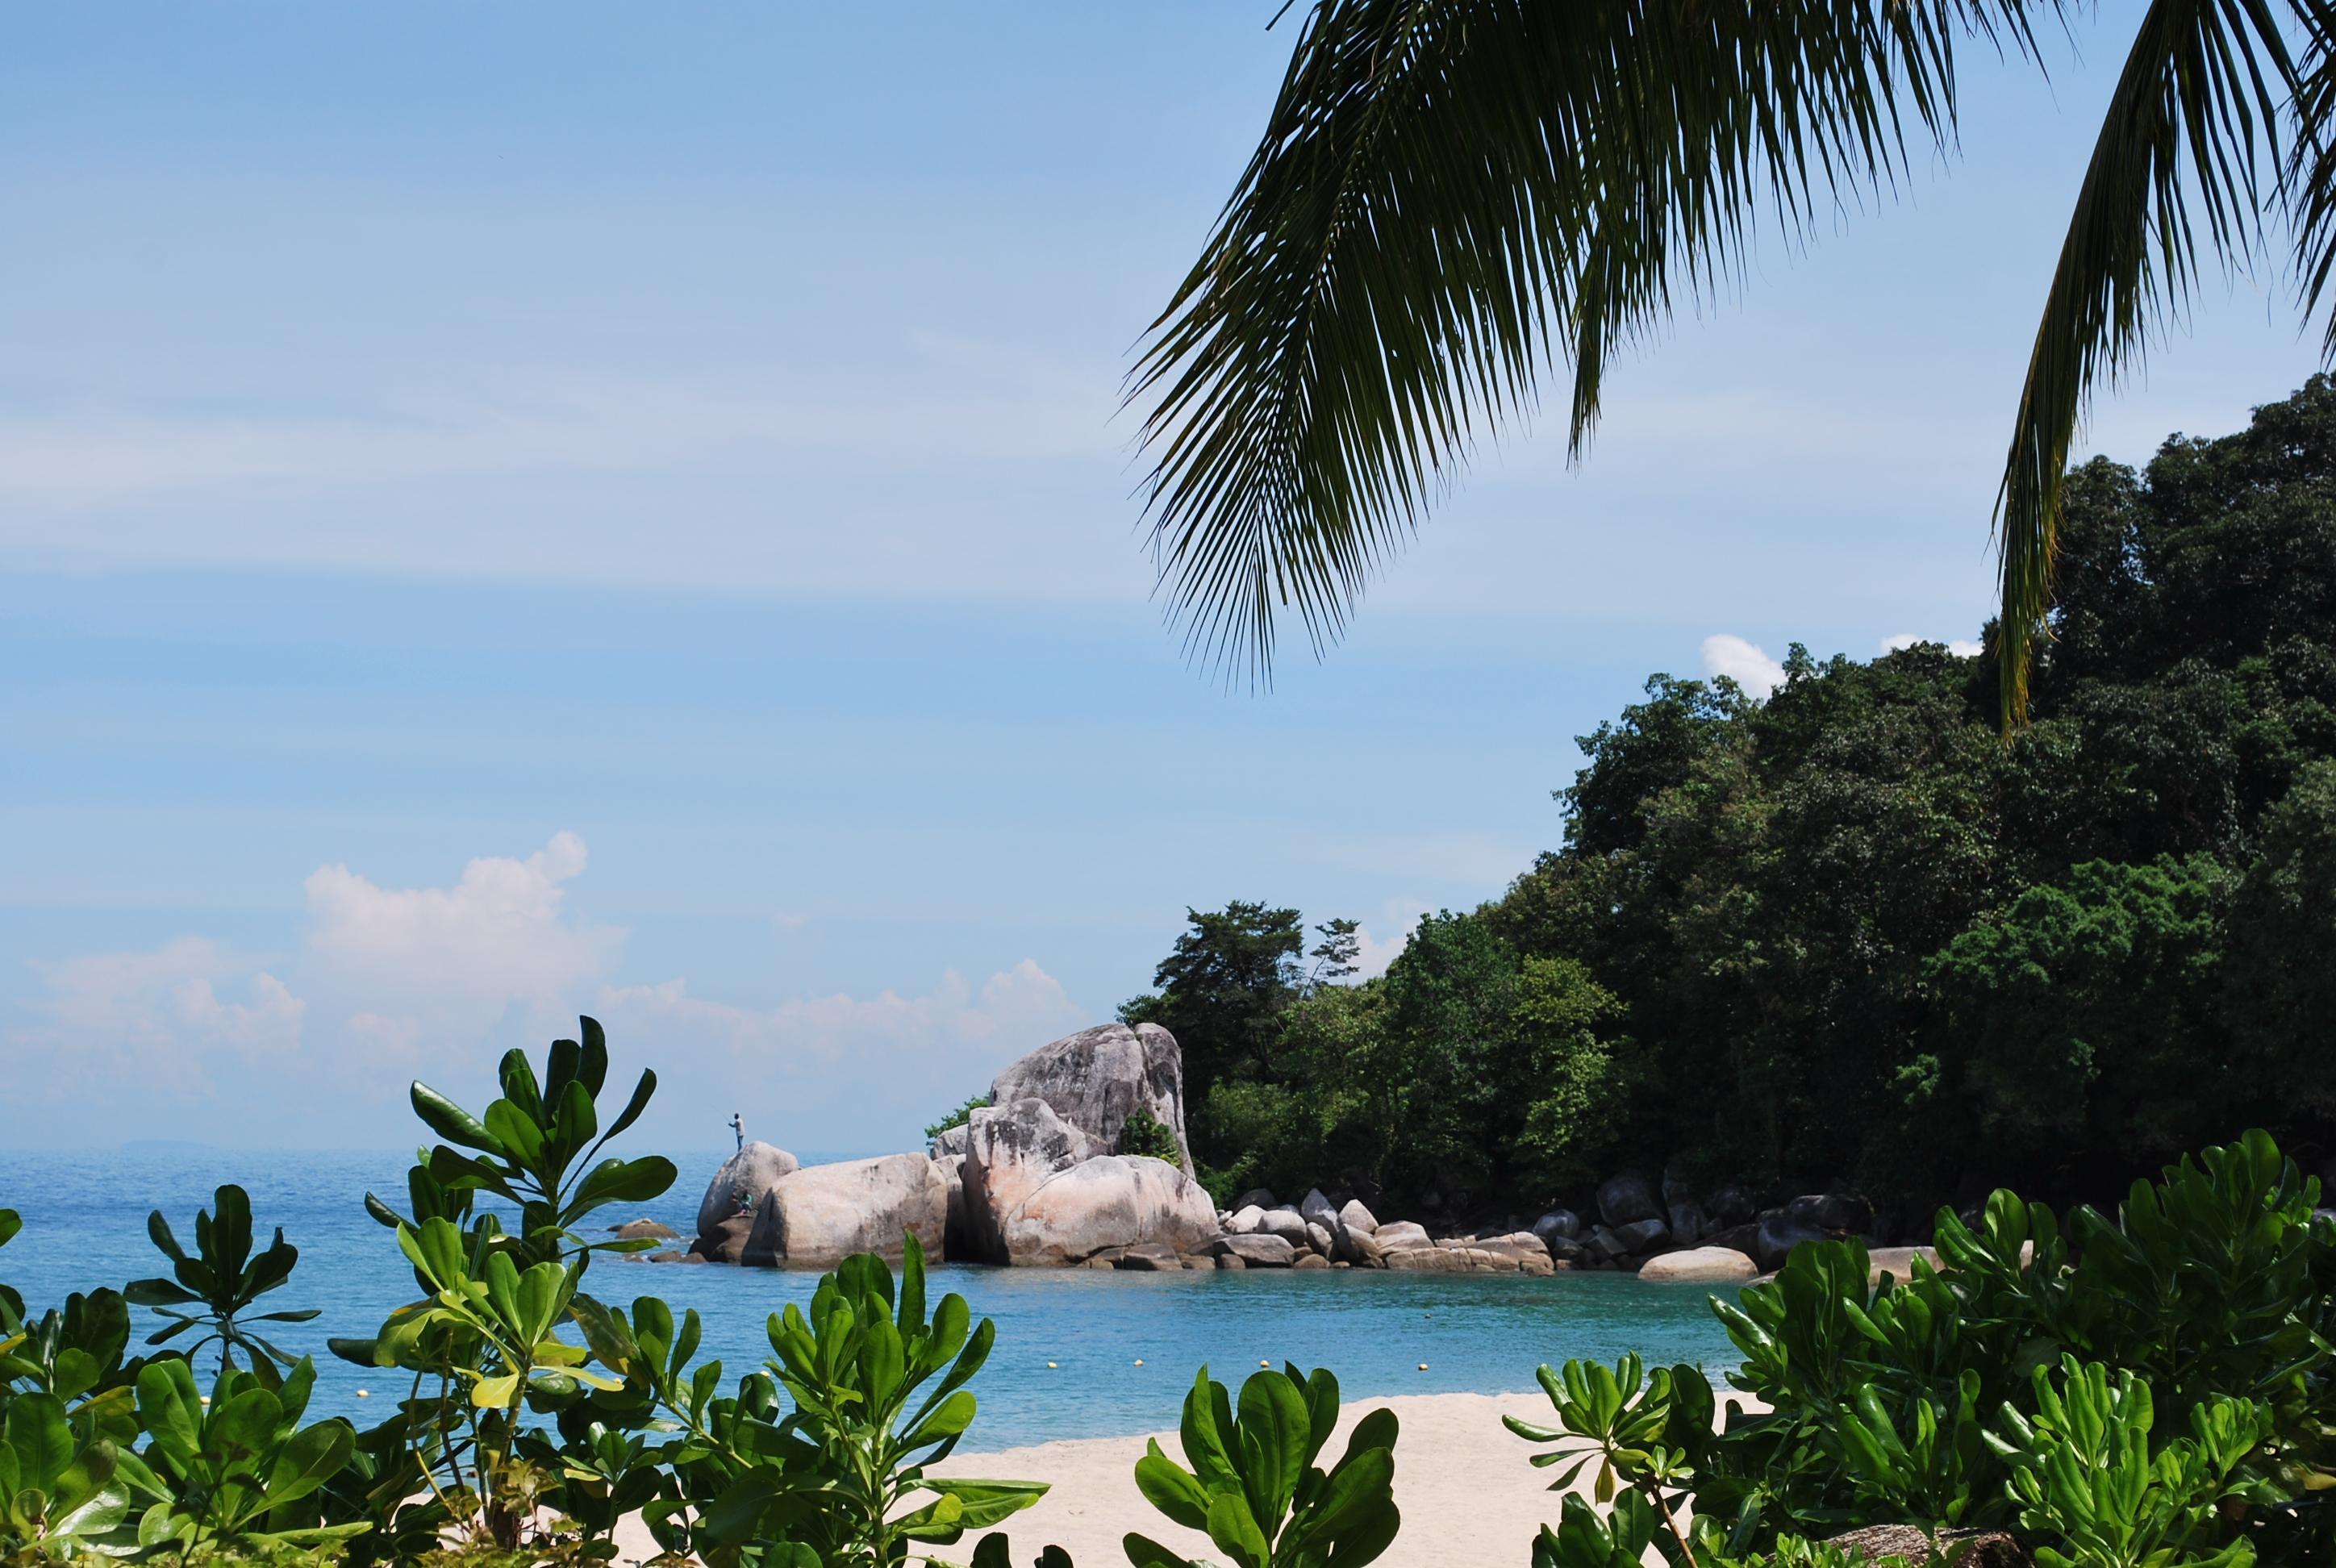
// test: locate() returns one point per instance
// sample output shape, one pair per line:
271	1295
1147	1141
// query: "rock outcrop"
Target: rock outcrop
738	1187
1095	1079
1038	1192
819	1215
1700	1266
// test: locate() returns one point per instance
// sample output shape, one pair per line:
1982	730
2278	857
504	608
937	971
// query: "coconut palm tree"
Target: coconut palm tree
1453	199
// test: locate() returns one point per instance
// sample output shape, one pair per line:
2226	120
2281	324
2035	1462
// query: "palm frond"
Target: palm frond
1451	198
2191	130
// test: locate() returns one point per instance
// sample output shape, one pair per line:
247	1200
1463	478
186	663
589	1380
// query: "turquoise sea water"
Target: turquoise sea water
85	1225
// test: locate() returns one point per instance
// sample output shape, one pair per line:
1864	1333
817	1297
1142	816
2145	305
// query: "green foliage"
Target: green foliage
1250	1482
12	1305
1573	1072
1146	1134
2283	911
2188	1423
2084	1470
959	1117
880	1393
531	1149
234	1468
59	1490
214	1289
2075	1013
1222	991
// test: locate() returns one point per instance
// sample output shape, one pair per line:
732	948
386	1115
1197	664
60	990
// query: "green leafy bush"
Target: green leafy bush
1252	1483
1146	1134
213	1289
959	1117
2189	1424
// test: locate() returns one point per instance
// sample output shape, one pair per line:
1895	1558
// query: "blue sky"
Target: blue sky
507	511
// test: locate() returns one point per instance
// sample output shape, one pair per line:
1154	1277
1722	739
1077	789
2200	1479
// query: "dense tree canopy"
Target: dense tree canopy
1853	932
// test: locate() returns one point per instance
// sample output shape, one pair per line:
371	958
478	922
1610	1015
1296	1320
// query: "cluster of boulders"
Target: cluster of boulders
1669	1234
1317	1233
1036	1178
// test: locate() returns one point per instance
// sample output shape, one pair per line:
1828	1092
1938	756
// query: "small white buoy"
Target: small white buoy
206	1399
1050	1363
1139	1360
1265	1363
1423	1365
364	1393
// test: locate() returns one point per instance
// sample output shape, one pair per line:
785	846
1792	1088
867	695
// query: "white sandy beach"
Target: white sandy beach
1461	1478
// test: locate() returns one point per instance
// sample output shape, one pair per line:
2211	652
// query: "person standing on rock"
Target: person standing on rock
738	1126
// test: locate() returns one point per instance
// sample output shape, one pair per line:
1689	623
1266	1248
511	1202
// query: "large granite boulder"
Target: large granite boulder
739	1185
1353	1216
1399	1234
1730	1205
726	1242
1778	1235
1700	1266
1038	1191
1010	1152
1111	1200
950	1141
1285	1222
819	1215
1254	1252
1628	1199
1095	1079
1563	1224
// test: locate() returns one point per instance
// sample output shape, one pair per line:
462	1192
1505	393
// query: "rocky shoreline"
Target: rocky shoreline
1039	1178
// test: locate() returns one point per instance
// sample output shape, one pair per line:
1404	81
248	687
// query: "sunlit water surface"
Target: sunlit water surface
85	1225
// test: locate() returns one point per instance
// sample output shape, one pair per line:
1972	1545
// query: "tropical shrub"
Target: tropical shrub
959	1117
212	1288
1146	1134
2152	1390
1253	1486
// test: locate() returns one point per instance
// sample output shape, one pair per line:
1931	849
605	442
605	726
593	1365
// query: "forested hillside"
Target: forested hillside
1853	933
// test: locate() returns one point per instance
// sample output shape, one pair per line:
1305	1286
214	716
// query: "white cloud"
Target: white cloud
1961	648
394	983
1747	663
1373	954
156	1020
841	1071
463	955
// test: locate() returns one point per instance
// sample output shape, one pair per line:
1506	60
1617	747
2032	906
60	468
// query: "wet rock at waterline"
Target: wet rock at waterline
1559	1222
1700	1266
649	1230
1038	1192
819	1215
739	1185
1257	1252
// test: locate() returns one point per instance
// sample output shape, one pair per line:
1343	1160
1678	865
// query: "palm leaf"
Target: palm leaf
1450	198
2192	124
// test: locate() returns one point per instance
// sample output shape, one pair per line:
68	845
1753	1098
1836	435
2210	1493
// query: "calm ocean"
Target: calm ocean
85	1226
